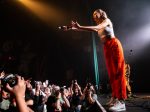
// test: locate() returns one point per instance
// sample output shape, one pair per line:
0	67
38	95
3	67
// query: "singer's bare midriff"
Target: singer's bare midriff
104	38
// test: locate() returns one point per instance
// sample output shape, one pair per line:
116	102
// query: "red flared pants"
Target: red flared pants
115	64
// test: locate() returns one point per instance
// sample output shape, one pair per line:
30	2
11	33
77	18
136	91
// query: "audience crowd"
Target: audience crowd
37	96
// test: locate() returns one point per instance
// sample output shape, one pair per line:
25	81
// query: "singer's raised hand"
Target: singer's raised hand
65	28
75	25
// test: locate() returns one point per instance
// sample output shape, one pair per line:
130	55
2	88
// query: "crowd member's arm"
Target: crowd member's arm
71	88
84	92
79	89
58	103
66	101
29	102
90	98
19	91
2	74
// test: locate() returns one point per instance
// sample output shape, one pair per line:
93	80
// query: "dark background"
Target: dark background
37	49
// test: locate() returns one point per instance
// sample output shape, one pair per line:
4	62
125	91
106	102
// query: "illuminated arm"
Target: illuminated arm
77	27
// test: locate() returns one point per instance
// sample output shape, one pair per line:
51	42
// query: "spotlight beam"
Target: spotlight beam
49	14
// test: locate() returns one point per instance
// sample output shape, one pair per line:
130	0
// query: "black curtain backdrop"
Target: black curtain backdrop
30	47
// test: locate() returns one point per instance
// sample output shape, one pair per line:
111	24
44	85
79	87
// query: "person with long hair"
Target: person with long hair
114	56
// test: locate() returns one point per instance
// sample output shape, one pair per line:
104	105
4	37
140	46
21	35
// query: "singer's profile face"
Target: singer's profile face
96	17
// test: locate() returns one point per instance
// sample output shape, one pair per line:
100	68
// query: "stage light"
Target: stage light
138	38
46	12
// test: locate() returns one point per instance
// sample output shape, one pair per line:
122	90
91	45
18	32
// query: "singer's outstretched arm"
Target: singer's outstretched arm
76	26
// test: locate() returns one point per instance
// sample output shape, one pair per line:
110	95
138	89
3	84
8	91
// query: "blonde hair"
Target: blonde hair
102	13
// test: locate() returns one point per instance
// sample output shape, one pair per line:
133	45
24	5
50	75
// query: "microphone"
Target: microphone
65	27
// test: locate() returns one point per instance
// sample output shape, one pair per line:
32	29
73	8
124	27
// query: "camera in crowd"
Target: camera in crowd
74	81
62	89
89	85
11	79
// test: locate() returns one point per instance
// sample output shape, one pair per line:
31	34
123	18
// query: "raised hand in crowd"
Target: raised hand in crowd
19	92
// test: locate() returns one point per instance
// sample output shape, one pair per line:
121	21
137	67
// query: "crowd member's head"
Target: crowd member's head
89	89
76	88
28	85
47	91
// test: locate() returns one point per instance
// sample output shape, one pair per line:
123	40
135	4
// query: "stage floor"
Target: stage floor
139	103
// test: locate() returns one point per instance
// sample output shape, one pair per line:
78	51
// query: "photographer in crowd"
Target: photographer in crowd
76	94
38	96
18	91
58	102
90	102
